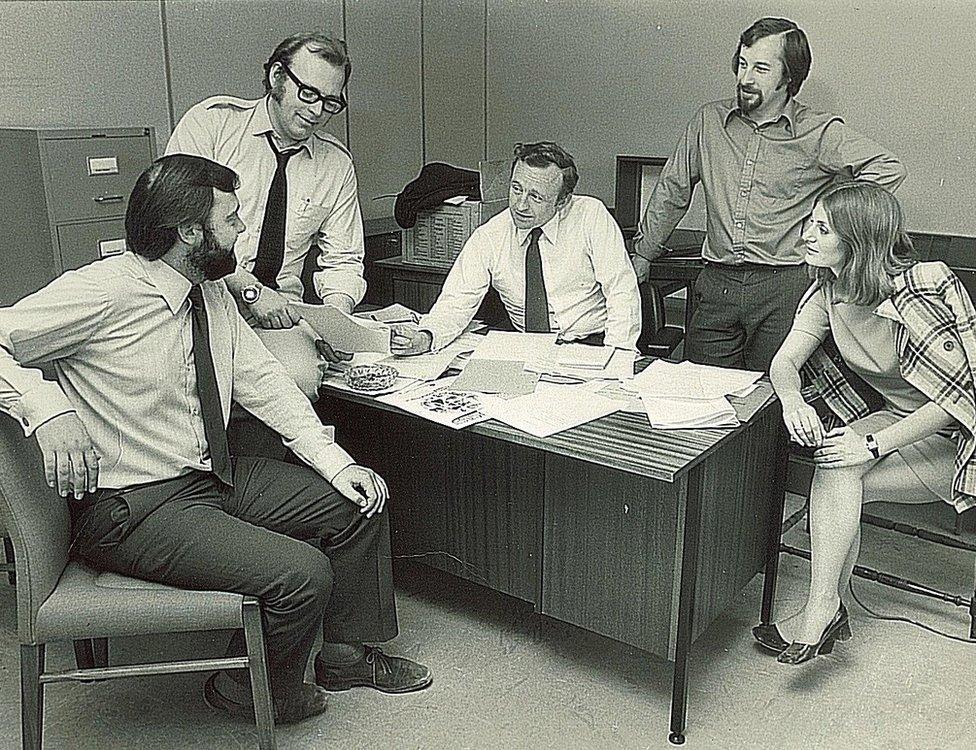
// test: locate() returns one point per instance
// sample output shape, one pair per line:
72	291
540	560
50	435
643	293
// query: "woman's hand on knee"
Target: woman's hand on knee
842	447
803	423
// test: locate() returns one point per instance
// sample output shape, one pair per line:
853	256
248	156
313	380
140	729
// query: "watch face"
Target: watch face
250	294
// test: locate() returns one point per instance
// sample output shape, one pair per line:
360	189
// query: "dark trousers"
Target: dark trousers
743	313
283	534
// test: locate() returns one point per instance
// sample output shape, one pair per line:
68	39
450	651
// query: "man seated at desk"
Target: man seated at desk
150	350
556	259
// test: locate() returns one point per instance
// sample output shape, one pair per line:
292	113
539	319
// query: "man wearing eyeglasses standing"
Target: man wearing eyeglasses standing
298	194
556	259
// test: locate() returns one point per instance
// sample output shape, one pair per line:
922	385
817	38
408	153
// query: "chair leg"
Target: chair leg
31	696
258	670
84	653
8	557
100	651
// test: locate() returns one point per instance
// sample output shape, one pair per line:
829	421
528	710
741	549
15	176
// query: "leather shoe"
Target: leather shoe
388	674
311	701
768	636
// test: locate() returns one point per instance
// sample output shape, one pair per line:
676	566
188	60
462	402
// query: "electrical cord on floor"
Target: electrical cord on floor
907	620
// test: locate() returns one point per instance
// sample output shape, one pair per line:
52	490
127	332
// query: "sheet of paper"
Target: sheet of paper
439	402
676	414
344	332
620	367
535	349
746	406
583	356
549	411
686	380
395	313
496	376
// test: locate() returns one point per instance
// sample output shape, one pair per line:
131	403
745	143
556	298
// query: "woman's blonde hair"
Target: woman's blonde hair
869	221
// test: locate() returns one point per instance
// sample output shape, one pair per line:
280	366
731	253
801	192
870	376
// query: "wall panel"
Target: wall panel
90	64
385	109
454	79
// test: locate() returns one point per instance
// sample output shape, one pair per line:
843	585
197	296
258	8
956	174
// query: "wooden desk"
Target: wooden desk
641	535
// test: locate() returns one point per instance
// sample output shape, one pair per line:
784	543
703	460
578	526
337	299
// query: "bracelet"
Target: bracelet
872	445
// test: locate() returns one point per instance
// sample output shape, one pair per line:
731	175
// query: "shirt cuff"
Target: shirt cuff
330	281
39	405
320	451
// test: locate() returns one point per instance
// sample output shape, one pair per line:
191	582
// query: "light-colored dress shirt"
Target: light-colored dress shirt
760	181
119	333
590	281
323	201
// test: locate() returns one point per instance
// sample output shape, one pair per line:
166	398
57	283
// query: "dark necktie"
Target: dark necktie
271	243
213	416
536	301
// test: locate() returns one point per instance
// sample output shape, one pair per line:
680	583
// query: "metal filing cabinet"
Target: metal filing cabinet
63	195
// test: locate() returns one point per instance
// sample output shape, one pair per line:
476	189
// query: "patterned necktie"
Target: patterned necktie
536	301
213	416
271	243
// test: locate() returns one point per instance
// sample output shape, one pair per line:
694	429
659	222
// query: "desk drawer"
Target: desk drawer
90	178
80	244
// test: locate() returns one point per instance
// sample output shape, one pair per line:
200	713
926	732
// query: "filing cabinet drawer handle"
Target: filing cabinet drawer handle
108	198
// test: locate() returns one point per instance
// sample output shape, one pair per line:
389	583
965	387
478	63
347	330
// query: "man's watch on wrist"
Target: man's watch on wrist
251	293
872	446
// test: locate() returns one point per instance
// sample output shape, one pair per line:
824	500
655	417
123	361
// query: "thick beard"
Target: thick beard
210	259
748	106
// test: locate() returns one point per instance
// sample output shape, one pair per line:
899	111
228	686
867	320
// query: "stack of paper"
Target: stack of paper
677	414
583	356
687	395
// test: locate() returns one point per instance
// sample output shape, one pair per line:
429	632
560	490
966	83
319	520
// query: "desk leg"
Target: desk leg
686	607
689	307
775	527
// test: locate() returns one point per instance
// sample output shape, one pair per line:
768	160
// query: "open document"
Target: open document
686	380
345	332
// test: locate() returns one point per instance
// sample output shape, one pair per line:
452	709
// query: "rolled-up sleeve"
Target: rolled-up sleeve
845	151
672	194
340	243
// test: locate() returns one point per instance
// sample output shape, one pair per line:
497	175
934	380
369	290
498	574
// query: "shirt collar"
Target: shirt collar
888	310
261	124
172	285
789	114
550	230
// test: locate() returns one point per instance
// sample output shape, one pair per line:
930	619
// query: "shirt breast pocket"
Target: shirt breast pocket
308	217
781	172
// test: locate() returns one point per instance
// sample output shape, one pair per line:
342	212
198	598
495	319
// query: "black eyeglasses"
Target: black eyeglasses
311	95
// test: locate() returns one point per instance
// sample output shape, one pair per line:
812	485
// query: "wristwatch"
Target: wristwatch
251	293
872	445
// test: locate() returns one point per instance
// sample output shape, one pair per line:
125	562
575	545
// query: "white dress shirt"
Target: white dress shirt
119	333
323	201
590	281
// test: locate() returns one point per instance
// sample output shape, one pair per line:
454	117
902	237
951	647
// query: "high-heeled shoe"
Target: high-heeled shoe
838	629
768	636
